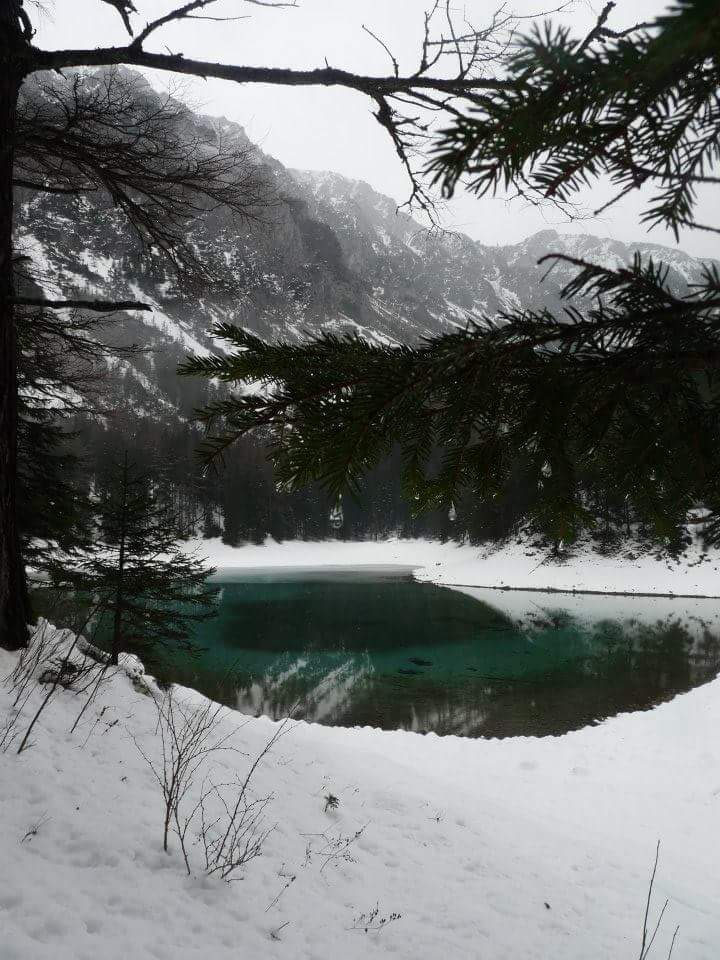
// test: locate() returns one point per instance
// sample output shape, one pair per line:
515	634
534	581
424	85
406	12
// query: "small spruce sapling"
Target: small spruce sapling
153	590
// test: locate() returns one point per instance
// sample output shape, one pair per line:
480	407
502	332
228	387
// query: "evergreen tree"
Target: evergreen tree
147	589
622	389
105	140
60	377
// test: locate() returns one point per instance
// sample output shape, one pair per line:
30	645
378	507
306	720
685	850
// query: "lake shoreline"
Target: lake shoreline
511	565
580	592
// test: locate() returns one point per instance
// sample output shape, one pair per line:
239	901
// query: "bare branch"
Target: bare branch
597	30
277	76
408	104
396	67
601	30
181	13
124	8
27	27
46	188
425	61
185	12
646	944
216	19
96	306
462	69
159	171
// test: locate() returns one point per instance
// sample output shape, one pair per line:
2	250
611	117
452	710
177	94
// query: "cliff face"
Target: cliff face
328	254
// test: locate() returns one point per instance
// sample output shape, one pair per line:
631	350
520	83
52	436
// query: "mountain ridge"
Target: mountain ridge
332	255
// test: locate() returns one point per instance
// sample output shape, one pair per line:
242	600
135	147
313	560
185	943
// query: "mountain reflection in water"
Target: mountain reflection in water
376	648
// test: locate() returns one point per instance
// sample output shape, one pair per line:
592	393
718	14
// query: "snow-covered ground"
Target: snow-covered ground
317	554
521	848
513	564
518	565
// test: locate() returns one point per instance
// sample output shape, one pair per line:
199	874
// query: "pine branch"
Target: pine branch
611	391
573	116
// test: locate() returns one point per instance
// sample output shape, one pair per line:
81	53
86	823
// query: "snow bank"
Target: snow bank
514	564
499	849
317	554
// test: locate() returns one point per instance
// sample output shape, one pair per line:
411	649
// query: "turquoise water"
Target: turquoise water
360	647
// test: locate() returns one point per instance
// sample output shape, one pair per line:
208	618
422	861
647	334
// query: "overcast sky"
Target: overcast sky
332	129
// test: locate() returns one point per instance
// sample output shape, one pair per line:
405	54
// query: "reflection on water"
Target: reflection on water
354	648
375	647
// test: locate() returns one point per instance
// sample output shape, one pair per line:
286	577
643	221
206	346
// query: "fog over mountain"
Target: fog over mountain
330	254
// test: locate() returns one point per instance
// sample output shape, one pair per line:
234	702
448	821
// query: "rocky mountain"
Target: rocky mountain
328	254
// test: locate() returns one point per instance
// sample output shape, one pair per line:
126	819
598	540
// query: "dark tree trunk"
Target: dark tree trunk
14	607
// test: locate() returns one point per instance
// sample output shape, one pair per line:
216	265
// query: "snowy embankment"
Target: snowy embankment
500	849
318	554
511	565
516	564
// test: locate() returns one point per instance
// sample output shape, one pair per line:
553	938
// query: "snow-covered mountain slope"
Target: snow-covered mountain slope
328	254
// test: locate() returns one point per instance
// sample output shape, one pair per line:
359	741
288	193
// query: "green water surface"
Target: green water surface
374	647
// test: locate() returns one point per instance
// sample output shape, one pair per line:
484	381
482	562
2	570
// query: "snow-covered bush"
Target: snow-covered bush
55	659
